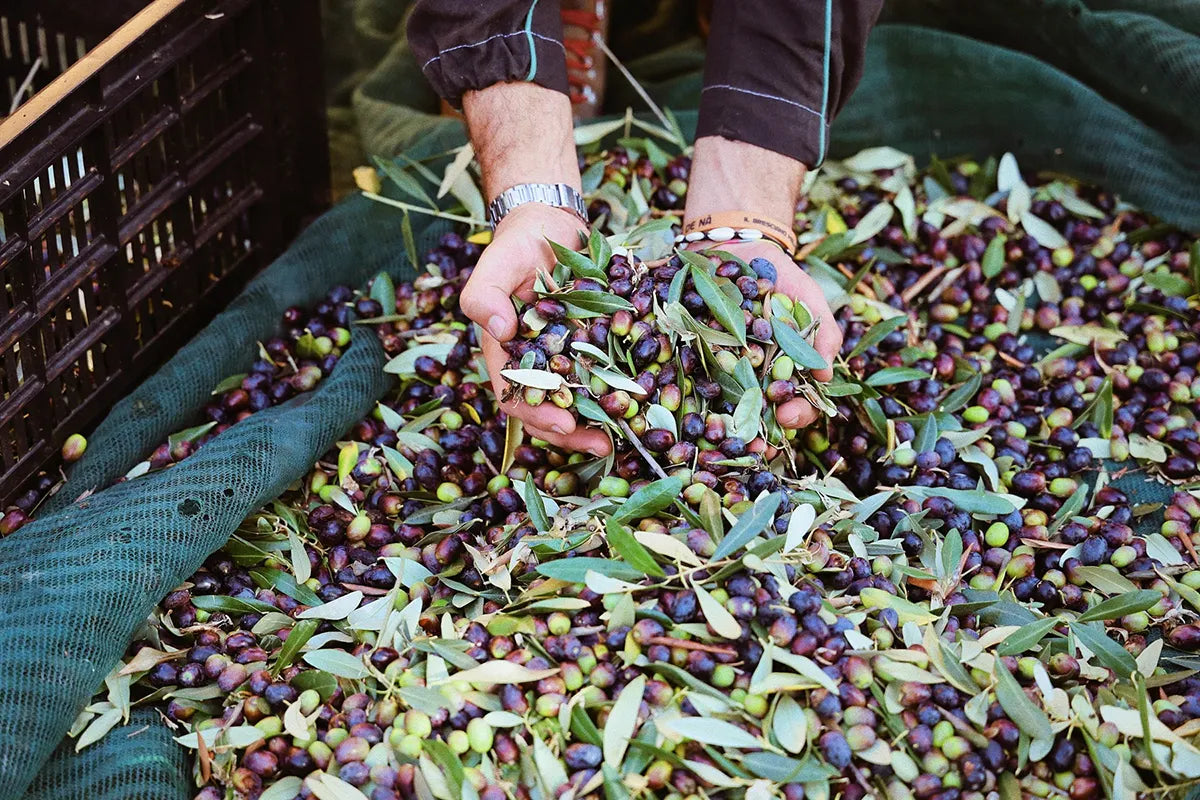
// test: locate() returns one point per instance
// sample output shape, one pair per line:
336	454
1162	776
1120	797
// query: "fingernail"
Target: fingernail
495	326
559	429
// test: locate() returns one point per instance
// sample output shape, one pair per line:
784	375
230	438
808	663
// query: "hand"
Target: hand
796	284
507	269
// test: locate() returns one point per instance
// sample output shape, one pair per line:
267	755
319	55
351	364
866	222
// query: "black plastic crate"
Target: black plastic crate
170	151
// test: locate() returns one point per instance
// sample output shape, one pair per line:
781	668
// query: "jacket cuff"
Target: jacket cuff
778	124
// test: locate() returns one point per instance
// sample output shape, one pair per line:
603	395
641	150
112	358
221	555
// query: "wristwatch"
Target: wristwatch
559	195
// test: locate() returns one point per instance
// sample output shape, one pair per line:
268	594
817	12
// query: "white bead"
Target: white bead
720	234
749	233
694	236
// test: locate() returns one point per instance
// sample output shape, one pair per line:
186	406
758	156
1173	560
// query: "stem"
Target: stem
633	440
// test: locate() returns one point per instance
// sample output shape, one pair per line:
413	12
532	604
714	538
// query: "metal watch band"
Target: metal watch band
559	195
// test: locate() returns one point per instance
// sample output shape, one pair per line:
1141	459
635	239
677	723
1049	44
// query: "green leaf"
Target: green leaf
580	265
594	302
1031	719
575	569
383	291
973	501
622	721
231	605
781	769
337	662
280	581
890	375
1108	652
1119	606
1168	283
1194	265
599	249
301	632
792	343
749	525
622	543
322	683
712	731
190	434
993	257
878	419
1026	637
906	610
926	436
877	333
649	500
232	382
1106	580
410	241
723	309
832	246
962	395
582	727
404	182
536	507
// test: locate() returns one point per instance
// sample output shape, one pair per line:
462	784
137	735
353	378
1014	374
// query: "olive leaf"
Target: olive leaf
993	257
890	375
623	544
877	333
580	265
1026	637
799	350
536	507
1121	605
726	312
1107	652
576	568
1027	716
622	721
337	662
750	524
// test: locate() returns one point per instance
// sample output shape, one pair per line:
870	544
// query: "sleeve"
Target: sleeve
778	71
463	45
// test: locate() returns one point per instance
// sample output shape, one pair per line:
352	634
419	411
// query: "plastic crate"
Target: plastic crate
171	150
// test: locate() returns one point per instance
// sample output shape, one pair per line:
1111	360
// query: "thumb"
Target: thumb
487	297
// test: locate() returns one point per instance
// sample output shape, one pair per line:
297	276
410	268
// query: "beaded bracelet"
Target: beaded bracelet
740	226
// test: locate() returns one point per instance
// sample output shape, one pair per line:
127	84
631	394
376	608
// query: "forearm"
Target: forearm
730	175
521	133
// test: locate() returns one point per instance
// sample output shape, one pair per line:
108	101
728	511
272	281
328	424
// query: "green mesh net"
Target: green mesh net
1099	90
138	760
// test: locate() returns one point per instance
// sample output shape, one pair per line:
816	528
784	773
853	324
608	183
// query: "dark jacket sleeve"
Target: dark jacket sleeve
778	71
463	44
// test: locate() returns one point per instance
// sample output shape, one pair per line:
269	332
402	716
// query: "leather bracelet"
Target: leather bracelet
725	226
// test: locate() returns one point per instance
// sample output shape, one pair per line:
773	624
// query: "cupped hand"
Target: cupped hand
506	269
796	284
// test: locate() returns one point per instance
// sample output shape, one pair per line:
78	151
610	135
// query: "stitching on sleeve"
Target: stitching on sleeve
763	95
534	34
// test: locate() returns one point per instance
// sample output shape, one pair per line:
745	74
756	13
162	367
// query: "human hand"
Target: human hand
509	264
796	284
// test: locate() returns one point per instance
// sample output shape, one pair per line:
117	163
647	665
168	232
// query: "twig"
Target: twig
434	212
633	440
637	87
686	644
926	279
25	84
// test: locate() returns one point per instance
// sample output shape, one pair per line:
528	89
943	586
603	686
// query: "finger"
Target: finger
487	296
796	413
590	440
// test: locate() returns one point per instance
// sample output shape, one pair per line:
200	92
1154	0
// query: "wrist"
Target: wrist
521	133
735	176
